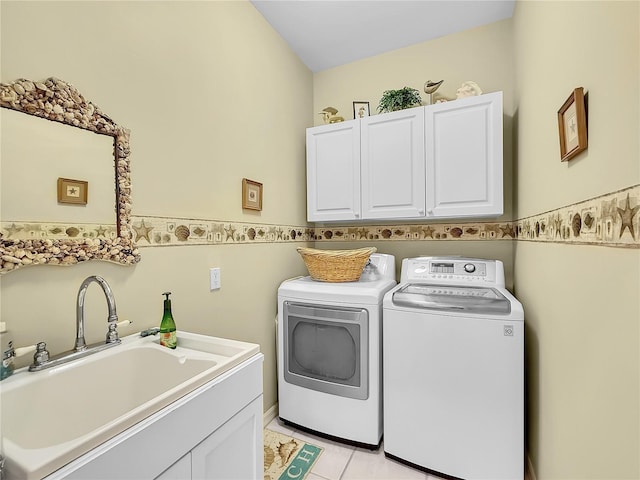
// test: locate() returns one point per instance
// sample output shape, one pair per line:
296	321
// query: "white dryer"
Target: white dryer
453	343
329	354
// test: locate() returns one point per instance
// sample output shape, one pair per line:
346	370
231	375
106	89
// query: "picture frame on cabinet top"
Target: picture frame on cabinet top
360	109
572	125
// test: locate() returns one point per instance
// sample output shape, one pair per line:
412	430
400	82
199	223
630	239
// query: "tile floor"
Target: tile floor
345	462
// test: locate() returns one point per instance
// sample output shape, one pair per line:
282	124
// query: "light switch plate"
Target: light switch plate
214	278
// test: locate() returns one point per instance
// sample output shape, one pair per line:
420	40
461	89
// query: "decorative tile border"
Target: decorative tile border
58	231
163	231
609	220
428	232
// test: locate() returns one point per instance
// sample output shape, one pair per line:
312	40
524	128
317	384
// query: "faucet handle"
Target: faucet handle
42	354
150	331
112	334
18	352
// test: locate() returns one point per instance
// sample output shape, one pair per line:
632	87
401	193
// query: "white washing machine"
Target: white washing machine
329	354
453	343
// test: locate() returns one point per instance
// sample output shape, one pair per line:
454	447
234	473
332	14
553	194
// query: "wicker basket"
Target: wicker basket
335	265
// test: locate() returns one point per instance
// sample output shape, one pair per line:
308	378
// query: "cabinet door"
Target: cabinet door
464	157
393	173
333	172
235	451
181	470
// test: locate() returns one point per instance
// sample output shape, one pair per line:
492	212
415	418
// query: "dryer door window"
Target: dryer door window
325	349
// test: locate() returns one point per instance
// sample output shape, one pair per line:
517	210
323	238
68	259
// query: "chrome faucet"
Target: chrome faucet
41	358
111	303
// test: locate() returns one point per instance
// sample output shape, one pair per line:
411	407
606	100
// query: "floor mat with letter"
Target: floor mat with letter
287	457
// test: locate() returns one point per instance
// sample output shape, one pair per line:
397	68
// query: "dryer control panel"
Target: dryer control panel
452	270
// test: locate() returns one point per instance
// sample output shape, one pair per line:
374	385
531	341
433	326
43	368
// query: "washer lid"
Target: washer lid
452	298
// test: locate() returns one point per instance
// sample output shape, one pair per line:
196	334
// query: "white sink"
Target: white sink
51	417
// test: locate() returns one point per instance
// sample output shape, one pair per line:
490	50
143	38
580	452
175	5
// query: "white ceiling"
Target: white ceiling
329	33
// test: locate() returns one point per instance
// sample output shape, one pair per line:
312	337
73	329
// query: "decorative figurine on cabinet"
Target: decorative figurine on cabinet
430	88
468	89
329	115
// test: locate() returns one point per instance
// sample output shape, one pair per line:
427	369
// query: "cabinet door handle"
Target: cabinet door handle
420	212
430	212
357	215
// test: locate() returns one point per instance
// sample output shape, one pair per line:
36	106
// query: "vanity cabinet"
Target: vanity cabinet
231	452
214	432
223	454
180	470
438	161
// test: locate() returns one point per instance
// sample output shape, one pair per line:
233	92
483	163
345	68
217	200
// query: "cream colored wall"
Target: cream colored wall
581	302
211	94
562	45
54	150
500	250
194	80
483	55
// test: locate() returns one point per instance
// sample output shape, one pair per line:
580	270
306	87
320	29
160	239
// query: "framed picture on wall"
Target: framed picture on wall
360	109
72	191
572	125
251	194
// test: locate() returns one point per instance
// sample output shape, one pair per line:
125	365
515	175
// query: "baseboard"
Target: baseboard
270	414
529	474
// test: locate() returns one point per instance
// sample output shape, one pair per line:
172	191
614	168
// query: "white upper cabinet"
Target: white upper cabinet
438	161
464	157
392	165
333	172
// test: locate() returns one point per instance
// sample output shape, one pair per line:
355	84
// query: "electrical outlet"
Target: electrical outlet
214	278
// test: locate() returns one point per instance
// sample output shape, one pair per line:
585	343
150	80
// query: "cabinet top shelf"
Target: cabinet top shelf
456	103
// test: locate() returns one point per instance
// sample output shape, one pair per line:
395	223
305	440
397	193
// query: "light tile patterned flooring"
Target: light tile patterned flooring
345	462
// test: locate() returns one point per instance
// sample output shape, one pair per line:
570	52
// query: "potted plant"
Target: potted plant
393	100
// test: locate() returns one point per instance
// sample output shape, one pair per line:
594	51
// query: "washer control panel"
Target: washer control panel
458	270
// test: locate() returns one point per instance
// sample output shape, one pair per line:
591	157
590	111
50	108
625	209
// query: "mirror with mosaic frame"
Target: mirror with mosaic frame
27	243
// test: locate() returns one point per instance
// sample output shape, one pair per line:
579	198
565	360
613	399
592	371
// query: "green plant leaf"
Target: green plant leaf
394	100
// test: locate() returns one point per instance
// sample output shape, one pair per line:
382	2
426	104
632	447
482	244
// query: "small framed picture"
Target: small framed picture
572	125
360	109
251	194
72	191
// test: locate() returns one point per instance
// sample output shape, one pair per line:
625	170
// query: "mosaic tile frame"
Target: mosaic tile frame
58	101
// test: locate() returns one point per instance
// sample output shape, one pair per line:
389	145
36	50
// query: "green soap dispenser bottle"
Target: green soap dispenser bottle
168	326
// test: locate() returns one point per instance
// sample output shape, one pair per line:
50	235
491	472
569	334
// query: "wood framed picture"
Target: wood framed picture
72	191
251	194
572	125
360	109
